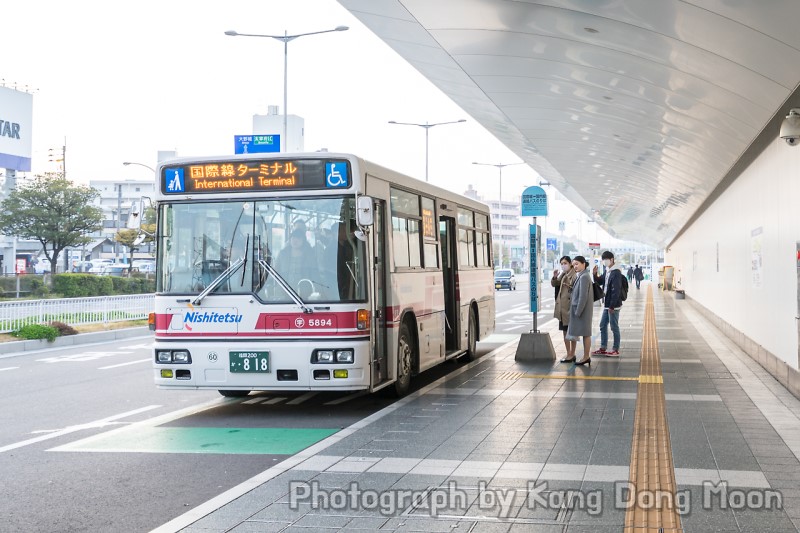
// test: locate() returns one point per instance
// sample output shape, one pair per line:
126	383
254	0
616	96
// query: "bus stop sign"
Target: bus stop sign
534	202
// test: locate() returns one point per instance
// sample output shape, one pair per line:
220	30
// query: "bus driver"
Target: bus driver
297	261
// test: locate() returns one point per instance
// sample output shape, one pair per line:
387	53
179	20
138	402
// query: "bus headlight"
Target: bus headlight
323	356
344	356
181	356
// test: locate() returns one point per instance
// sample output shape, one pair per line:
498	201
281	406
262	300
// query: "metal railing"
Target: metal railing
75	311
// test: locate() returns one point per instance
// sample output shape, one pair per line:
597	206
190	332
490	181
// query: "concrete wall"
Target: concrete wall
751	282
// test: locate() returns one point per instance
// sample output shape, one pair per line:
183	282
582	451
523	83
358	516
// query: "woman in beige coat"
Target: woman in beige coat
562	280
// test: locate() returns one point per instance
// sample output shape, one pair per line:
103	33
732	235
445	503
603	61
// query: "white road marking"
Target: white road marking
9	368
301	399
124	364
252	401
346	398
509	312
273	401
72	429
514	327
140	346
80	445
83	356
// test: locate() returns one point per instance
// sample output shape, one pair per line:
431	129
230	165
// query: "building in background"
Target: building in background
272	124
118	199
16	121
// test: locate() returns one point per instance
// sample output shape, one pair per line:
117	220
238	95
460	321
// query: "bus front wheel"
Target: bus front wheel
234	393
405	359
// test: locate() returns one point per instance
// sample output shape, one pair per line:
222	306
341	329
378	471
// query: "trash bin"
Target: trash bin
680	294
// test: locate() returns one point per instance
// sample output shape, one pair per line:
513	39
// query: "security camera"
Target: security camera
790	128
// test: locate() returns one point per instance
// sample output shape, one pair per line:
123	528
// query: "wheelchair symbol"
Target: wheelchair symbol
335	178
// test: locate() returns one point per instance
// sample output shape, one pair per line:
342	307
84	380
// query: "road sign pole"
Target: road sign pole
535	275
534	345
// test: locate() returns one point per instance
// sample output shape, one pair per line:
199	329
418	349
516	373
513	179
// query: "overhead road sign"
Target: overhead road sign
256	144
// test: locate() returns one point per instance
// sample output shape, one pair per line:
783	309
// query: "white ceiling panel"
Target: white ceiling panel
636	110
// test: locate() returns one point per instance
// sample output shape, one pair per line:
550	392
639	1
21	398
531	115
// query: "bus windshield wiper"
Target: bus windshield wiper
285	286
244	259
219	279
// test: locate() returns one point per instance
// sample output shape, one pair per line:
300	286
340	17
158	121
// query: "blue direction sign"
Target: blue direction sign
534	202
256	144
552	244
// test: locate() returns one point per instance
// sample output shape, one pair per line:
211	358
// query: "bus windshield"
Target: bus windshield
309	243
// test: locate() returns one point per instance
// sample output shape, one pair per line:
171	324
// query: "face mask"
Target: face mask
606	262
564	268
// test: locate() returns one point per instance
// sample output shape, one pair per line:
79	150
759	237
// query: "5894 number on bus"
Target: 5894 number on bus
243	362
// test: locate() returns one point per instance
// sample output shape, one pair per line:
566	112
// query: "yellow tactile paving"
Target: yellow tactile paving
651	472
522	375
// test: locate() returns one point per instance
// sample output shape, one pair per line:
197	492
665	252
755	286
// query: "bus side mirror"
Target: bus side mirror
134	217
364	213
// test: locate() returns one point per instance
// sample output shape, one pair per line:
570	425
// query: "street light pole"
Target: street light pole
427	127
119	216
151	169
499	167
285	38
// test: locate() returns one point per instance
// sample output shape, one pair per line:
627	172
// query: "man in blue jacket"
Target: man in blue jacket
611	281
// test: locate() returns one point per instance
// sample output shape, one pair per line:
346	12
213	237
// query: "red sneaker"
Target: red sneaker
601	351
612	353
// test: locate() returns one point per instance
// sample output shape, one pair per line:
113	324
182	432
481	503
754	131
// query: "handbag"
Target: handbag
598	292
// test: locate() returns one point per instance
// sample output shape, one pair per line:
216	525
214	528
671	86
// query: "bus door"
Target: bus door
379	366
447	237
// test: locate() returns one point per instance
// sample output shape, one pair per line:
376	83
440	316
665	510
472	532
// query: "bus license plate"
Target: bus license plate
242	362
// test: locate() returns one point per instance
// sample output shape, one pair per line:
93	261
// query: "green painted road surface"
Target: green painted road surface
254	441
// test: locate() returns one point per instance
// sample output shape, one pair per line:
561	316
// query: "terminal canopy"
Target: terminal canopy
636	111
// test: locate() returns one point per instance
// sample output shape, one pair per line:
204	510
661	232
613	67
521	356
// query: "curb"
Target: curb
73	340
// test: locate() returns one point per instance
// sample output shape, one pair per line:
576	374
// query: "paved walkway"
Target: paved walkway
497	446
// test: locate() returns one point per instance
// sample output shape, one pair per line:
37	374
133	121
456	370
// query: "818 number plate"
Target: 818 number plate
243	362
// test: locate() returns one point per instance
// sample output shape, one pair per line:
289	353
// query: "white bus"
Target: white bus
313	271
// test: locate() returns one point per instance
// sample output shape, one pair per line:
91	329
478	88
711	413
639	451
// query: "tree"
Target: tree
53	211
128	238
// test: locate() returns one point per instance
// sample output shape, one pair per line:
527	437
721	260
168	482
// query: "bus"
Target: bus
316	271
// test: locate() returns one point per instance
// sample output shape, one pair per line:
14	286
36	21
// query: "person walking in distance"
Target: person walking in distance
580	308
562	281
630	274
638	275
612	283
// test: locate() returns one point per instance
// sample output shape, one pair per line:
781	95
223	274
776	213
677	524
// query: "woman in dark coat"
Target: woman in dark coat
580	308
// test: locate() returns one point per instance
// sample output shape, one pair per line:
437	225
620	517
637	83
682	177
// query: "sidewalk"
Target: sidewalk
498	446
17	347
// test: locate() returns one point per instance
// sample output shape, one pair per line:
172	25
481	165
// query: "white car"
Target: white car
145	267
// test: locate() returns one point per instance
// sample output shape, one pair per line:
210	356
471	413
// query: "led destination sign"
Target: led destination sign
255	175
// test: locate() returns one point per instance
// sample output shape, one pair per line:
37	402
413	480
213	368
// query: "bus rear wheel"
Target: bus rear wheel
405	360
234	393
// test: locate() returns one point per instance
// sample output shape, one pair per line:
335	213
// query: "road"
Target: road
89	444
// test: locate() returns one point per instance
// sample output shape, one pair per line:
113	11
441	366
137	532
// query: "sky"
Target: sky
121	81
